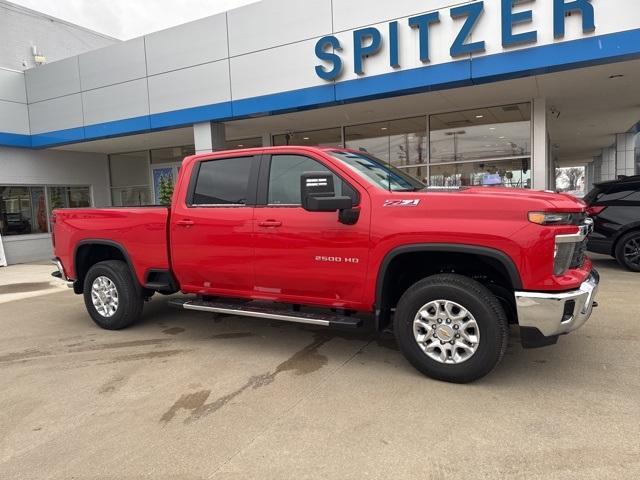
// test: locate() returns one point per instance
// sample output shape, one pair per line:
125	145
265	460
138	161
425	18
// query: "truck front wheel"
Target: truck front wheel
111	295
451	328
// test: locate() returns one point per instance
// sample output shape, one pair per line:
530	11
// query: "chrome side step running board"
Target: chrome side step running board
271	312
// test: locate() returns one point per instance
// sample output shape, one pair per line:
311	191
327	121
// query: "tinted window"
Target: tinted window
618	193
592	196
284	179
223	182
634	197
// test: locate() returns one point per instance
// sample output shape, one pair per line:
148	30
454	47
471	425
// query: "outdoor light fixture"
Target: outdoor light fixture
617	75
305	138
479	116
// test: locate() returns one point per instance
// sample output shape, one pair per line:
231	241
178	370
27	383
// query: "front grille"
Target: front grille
579	254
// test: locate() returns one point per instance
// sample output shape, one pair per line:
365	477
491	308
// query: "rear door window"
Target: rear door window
224	182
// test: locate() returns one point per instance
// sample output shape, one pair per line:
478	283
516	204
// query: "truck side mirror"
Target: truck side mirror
318	194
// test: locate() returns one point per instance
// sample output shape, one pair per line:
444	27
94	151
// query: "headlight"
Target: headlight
548	218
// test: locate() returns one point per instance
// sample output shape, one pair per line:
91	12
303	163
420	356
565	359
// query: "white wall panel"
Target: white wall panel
56	114
53	80
14	117
190	87
351	14
194	43
12	86
113	64
277	70
116	102
270	23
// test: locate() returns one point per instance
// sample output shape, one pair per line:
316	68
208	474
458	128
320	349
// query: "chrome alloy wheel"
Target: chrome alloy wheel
446	332
104	295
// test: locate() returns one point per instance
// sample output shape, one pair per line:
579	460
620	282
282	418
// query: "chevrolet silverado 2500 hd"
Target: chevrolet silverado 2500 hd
335	237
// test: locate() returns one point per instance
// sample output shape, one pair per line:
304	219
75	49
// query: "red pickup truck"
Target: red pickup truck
335	237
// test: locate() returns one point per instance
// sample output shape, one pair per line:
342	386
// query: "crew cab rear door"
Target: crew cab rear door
307	257
212	224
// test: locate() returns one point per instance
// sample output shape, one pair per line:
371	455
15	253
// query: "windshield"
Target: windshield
378	172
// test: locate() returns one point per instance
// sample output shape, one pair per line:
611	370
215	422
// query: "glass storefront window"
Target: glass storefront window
171	154
486	133
243	143
130	179
23	210
401	142
506	173
68	197
131	196
571	180
329	137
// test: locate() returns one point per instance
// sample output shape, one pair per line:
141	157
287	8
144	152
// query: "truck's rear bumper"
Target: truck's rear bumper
60	273
553	314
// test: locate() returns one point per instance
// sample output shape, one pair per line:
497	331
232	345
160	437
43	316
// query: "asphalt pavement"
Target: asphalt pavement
189	395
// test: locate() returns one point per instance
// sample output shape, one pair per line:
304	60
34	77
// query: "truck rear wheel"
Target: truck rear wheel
451	328
111	295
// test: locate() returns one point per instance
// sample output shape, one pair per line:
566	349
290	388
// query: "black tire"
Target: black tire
489	315
625	248
129	295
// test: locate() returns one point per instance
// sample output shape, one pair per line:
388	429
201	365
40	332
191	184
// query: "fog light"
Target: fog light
569	308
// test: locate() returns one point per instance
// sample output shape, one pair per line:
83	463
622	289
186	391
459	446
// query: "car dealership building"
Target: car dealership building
455	92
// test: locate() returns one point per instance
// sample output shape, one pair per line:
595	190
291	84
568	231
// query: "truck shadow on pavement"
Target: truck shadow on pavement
197	326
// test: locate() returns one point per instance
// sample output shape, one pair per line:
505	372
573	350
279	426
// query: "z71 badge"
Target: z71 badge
401	203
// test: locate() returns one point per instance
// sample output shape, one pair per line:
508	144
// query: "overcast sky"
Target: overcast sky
126	19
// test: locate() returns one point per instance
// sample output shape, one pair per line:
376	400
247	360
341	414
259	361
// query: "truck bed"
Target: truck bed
139	231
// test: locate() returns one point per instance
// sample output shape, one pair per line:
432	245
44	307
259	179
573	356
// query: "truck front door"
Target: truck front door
301	256
212	226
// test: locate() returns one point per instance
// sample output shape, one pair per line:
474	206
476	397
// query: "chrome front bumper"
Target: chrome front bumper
557	313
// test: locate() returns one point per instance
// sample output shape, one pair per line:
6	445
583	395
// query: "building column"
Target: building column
540	158
266	140
625	154
208	137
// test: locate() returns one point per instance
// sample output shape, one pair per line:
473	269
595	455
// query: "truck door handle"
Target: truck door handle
270	223
185	223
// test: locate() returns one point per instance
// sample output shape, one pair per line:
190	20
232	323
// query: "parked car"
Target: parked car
615	209
327	236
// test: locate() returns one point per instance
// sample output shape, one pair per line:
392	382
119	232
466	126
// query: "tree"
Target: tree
166	190
574	175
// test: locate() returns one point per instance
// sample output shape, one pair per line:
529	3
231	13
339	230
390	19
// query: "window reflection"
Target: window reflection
506	173
400	142
22	210
25	210
488	133
329	137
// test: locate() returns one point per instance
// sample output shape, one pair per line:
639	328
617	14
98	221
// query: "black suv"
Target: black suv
615	209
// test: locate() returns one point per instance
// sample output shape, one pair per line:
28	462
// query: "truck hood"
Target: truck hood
559	201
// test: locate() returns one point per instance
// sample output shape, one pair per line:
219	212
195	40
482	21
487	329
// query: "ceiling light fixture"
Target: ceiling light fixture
479	116
305	138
